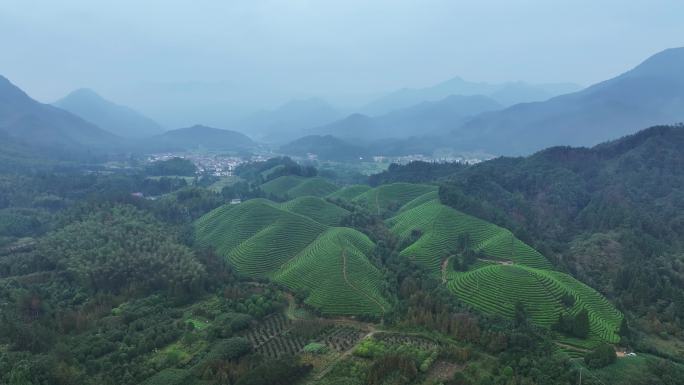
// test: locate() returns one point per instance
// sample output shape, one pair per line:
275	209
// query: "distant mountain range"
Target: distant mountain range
37	126
288	121
425	118
650	94
456	115
505	94
32	132
117	119
197	137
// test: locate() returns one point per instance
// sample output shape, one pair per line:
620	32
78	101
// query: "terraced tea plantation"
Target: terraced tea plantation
293	186
440	227
335	263
389	197
262	239
317	209
495	289
296	243
509	271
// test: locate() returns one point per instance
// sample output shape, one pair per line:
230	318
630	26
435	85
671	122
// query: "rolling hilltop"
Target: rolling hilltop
326	147
197	137
292	243
264	239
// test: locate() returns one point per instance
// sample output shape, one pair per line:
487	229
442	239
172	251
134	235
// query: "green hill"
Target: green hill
296	244
261	238
257	236
335	264
508	271
495	289
391	197
430	196
440	227
293	186
317	209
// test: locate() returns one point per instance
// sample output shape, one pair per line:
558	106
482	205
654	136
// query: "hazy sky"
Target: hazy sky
267	51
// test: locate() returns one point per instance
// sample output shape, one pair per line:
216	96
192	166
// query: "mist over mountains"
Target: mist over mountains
424	118
652	93
505	94
479	119
197	137
35	125
289	120
119	120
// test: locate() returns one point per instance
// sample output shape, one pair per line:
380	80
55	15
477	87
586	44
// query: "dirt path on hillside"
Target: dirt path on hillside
443	268
497	261
18	247
377	204
346	279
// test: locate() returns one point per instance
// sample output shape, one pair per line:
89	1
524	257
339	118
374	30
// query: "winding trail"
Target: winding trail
346	279
445	265
377	203
497	261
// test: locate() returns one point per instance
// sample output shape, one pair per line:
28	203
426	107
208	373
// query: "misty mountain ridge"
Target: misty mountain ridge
117	119
289	120
423	119
507	94
650	94
35	125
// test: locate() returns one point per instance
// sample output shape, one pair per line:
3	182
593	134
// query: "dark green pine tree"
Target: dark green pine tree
580	327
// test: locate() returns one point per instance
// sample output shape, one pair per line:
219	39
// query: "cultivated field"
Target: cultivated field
506	271
263	239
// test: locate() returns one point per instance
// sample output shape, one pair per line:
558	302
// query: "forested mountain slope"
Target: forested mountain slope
651	93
